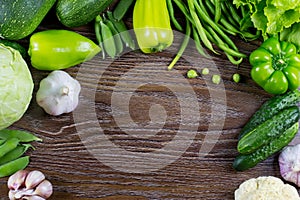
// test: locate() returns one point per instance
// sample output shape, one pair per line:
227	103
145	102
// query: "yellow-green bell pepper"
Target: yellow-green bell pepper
151	24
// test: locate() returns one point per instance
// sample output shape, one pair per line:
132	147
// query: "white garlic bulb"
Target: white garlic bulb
289	163
58	93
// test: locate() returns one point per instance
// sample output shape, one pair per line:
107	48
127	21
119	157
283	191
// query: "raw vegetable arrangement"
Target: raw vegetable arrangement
211	24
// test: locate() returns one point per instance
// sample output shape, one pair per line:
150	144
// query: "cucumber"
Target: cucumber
73	13
15	46
20	18
244	162
268	130
270	108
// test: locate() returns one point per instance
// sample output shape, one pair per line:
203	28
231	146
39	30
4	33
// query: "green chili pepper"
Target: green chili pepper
276	66
15	153
23	136
60	49
9	145
151	24
11	167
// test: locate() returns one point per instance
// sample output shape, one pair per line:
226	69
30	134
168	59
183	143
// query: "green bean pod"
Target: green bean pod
11	167
199	26
23	136
183	45
172	16
108	40
8	145
15	153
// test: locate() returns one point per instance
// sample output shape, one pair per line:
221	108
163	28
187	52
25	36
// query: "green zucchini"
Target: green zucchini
270	108
20	18
268	130
73	13
244	162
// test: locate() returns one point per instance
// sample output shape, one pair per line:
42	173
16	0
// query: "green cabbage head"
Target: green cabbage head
16	86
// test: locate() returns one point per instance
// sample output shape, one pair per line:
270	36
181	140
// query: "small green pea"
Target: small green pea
205	71
192	73
236	77
216	79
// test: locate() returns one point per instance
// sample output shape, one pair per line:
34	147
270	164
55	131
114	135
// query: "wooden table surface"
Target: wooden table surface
142	132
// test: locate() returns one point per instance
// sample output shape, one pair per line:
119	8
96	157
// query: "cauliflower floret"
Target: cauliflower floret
266	188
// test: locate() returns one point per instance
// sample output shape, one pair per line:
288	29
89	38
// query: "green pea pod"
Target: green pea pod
23	136
60	49
108	40
122	29
121	9
11	167
98	34
8	145
15	153
117	37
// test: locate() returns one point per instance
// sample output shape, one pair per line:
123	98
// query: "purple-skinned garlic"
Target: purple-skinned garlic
58	93
29	185
289	163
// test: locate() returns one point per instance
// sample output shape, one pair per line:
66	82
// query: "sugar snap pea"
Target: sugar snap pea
122	29
8	145
11	167
98	35
121	9
116	35
15	153
23	136
108	39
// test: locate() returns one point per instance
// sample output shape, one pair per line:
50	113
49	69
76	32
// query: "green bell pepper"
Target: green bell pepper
276	66
151	24
60	49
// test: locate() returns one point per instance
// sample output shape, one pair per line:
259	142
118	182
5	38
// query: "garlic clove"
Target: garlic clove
33	179
17	180
34	197
44	189
11	195
23	192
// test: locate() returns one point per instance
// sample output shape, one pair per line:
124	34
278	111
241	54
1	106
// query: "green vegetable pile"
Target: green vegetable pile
13	146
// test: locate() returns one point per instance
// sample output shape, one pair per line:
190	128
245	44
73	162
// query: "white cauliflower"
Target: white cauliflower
266	188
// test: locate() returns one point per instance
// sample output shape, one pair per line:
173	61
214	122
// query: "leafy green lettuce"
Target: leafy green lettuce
272	16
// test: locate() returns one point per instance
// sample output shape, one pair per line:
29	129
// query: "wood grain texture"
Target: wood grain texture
76	174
